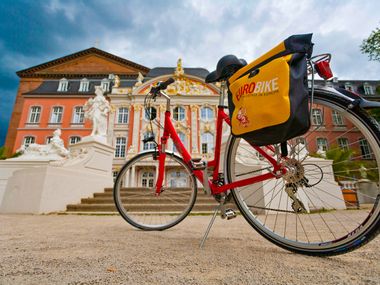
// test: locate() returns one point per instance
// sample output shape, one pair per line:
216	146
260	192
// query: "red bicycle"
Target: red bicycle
294	200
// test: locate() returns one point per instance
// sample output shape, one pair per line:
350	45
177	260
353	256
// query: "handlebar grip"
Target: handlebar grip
165	84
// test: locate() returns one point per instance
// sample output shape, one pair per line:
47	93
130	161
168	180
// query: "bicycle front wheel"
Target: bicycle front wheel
135	192
328	201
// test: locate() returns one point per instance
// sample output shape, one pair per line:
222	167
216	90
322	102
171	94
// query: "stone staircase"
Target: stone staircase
103	203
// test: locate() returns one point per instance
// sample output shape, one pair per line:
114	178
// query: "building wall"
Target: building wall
26	85
89	63
44	128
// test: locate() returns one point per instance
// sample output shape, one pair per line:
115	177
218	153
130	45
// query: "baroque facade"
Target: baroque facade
52	95
193	107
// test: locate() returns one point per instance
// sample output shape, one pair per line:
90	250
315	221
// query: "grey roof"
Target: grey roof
50	87
159	71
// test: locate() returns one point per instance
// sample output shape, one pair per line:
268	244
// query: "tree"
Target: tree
2	152
371	45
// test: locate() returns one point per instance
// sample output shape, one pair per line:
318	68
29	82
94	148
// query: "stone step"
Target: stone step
110	200
179	189
140	207
126	193
103	202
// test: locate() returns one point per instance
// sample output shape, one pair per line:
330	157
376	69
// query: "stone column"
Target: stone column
136	126
194	129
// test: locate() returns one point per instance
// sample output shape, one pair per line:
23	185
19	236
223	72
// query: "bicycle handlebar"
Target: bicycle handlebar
166	83
161	86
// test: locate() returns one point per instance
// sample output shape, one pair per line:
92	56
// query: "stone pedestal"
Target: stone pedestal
8	167
50	187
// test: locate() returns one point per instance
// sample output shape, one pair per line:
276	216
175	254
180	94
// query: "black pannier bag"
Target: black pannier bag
268	98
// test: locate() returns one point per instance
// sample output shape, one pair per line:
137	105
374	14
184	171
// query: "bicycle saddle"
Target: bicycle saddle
226	66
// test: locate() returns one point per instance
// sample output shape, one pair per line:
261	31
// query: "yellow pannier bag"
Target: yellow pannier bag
268	98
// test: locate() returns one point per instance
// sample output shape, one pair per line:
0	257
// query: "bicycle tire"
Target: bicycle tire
356	236
136	199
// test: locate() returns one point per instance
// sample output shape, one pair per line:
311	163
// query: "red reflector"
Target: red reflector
323	69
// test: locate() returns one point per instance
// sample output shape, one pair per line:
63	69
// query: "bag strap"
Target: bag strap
293	44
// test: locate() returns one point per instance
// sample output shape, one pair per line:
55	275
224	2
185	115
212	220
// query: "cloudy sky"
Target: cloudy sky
158	32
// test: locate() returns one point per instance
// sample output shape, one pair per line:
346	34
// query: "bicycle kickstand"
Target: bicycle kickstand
225	214
217	209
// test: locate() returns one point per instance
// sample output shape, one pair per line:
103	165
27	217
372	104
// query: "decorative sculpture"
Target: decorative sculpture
97	109
140	79
363	171
179	70
301	150
321	152
54	150
117	81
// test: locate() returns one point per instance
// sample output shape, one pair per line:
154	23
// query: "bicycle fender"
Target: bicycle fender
349	96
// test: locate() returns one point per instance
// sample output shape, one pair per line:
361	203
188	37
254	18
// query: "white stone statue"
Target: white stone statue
321	152
301	151
97	109
117	81
140	79
363	171
53	150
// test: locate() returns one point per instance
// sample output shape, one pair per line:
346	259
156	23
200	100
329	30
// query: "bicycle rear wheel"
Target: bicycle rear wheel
135	193
328	202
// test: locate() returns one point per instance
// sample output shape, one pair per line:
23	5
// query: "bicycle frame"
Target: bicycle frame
170	132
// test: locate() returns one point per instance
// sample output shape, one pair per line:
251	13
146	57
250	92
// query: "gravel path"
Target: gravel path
66	249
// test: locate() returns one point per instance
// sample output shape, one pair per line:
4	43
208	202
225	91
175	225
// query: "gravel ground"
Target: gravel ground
69	249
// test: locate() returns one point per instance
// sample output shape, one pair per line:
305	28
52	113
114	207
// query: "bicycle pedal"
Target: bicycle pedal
229	214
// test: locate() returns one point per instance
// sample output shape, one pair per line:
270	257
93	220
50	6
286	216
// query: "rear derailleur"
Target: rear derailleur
297	205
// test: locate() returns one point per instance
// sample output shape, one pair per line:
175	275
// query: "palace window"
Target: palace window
147	179
337	118
343	143
63	85
105	84
120	147
74	140
29	140
56	115
48	139
114	175
179	113
207	114
122	116
368	90
317	118
207	143
348	86
150	144
182	137
322	144
150	113
365	149
35	113
84	85
178	179
78	117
